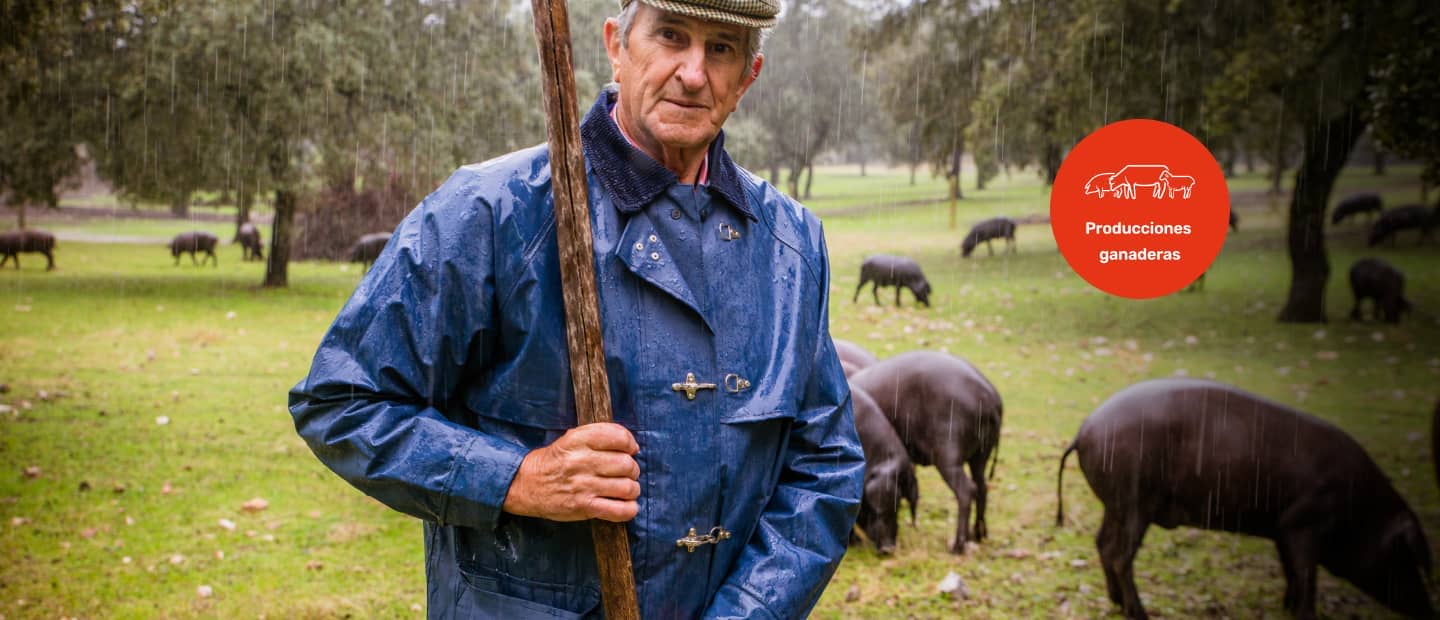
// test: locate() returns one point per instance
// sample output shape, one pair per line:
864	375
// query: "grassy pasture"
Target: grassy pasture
128	516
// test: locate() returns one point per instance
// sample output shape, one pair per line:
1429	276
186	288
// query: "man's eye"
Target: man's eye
721	48
669	35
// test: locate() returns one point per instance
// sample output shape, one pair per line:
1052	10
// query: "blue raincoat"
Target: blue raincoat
449	364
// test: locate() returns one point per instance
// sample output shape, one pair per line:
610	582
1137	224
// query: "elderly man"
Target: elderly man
443	387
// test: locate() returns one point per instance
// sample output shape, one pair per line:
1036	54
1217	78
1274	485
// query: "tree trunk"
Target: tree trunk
1228	169
956	155
1328	143
1277	168
1052	163
20	213
180	204
793	184
1379	161
809	178
914	151
278	266
1249	160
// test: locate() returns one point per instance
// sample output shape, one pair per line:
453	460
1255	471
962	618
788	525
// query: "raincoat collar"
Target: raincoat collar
633	179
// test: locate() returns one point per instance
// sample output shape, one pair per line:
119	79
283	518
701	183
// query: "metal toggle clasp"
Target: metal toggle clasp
727	233
691	540
689	387
735	384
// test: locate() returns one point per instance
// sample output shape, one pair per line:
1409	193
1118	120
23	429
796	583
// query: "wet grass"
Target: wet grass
118	337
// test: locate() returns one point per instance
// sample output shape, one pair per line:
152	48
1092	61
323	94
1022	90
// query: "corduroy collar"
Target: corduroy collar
634	179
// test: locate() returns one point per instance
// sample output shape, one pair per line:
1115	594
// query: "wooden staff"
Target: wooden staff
577	277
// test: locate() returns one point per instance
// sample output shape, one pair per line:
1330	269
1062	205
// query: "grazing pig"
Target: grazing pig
984	232
853	357
1355	204
896	271
1391	222
368	248
1203	454
249	240
1380	281
15	242
889	475
192	242
948	415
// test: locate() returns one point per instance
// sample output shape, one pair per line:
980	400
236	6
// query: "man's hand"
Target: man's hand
588	473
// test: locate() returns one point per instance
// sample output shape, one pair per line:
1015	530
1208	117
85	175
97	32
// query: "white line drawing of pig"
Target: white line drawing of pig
1133	176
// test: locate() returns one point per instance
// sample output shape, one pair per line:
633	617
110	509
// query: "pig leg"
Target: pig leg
964	489
977	473
856	296
1298	557
898	288
1118	541
50	263
875	291
6	258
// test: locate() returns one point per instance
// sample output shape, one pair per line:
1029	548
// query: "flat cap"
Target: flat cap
747	13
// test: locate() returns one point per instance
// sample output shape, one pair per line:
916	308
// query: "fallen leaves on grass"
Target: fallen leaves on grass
255	504
227	524
32	471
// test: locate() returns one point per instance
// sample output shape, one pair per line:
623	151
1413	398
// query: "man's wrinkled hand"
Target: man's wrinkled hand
588	473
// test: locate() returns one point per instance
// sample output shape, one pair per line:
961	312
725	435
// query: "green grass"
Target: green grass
117	337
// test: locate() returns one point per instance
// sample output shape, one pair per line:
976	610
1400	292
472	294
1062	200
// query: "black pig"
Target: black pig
249	239
192	242
889	475
984	232
948	415
1380	281
896	271
368	248
15	242
1391	222
1355	204
1189	452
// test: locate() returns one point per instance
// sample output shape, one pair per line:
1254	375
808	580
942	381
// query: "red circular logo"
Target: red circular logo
1139	208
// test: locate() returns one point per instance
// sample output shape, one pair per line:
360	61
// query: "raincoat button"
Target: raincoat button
674	214
639	245
654	256
653	238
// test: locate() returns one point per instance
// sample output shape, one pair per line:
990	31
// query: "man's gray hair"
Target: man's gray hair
754	37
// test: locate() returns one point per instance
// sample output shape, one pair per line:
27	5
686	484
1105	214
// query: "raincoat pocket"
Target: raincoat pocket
487	594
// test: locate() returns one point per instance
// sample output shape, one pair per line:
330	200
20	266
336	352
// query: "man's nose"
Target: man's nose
691	71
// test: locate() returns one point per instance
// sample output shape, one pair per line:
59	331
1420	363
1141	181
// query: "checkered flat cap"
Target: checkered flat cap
747	13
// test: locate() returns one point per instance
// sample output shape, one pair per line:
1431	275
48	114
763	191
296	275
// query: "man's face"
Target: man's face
679	77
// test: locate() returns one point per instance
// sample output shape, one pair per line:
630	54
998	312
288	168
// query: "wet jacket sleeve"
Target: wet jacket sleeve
806	525
373	407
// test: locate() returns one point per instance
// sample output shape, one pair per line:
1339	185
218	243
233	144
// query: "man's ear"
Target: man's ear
753	75
612	46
